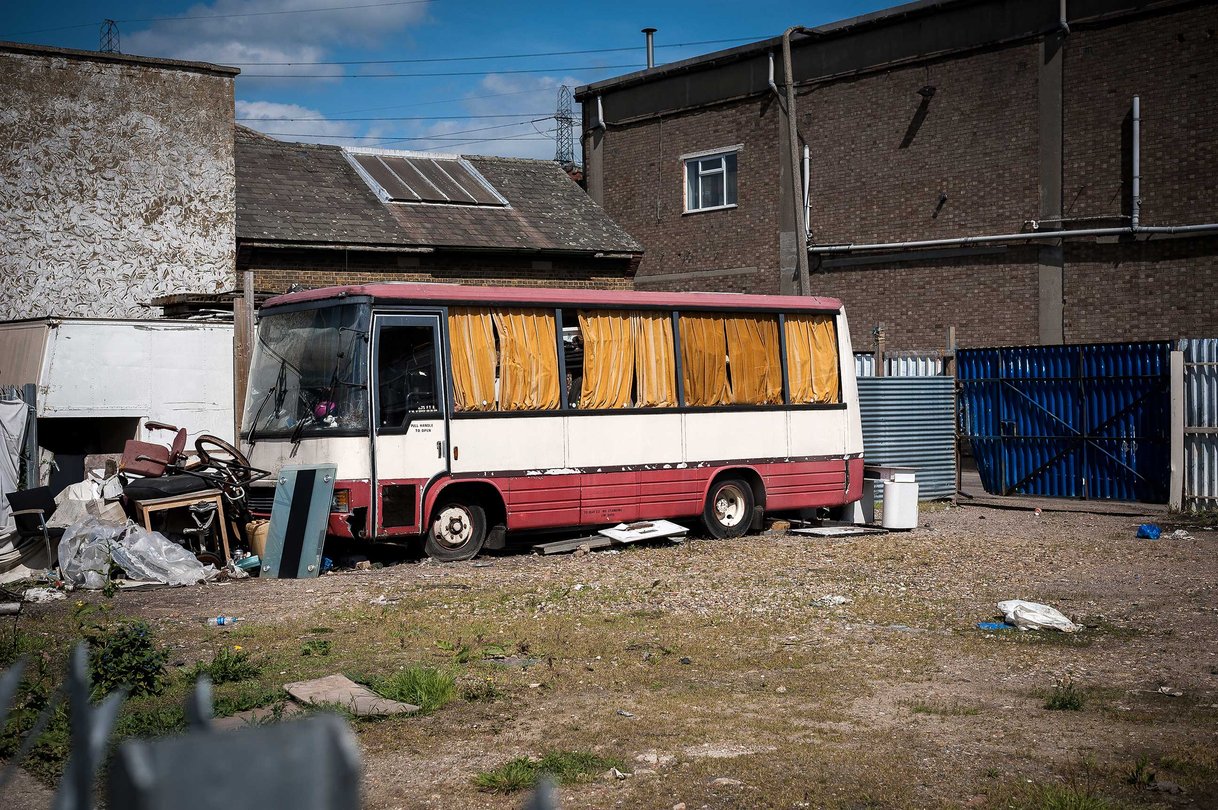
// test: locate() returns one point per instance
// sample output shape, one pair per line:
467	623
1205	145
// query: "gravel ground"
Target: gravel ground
731	674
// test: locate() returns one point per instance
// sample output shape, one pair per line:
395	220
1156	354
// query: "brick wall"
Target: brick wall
879	167
276	271
645	193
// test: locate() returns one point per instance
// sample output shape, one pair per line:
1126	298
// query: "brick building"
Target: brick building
936	122
312	216
116	181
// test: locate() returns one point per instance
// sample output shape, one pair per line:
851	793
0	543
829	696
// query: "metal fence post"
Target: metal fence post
33	465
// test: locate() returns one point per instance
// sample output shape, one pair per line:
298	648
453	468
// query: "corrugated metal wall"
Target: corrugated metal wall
1200	423
900	364
1087	421
910	421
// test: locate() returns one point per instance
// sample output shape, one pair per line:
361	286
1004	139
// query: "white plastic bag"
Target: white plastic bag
153	557
1035	616
84	552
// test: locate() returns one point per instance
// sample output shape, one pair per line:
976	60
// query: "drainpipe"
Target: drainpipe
1135	207
801	255
807	185
651	50
599	123
773	86
1062	25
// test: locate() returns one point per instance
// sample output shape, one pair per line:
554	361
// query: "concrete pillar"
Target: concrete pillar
1051	259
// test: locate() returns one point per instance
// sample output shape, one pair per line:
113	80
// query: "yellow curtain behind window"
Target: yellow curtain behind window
472	340
528	360
704	360
753	352
654	360
812	362
608	359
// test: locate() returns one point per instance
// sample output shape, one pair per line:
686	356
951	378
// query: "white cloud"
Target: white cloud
500	94
259	115
261	35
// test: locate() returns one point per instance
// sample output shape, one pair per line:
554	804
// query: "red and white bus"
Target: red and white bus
459	413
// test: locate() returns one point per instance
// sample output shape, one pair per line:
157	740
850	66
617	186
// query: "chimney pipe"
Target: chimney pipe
651	47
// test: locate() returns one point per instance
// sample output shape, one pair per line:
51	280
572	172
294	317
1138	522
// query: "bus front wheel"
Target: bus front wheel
729	508
457	532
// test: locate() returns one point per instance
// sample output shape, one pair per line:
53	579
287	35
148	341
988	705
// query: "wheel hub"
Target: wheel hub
729	506
454	527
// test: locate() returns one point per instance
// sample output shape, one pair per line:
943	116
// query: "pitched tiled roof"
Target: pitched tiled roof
310	194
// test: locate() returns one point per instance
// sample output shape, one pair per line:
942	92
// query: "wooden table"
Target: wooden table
145	509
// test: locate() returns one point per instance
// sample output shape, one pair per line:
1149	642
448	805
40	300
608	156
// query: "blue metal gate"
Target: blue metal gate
1090	421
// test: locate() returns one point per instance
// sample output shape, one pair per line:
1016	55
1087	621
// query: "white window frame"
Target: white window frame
693	158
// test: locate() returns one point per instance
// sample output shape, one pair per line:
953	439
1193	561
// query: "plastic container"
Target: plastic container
222	621
900	505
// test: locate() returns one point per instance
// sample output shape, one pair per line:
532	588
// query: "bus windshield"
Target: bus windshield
309	374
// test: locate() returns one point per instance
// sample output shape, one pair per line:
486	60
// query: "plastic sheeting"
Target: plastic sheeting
13	417
89	548
812	363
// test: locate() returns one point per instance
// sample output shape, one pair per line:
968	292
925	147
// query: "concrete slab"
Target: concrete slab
254	717
342	691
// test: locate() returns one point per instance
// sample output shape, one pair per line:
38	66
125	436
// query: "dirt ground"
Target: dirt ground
726	674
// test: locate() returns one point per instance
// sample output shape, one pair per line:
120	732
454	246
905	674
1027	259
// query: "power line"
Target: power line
403	118
538	54
436	75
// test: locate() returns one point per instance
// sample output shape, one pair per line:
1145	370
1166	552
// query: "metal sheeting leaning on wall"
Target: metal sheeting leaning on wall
900	364
1200	423
910	421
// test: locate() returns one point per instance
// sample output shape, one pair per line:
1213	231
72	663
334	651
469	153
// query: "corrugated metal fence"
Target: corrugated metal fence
1085	421
900	364
1200	423
910	422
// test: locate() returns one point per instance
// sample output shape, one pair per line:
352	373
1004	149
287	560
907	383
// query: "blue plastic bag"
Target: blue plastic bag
1149	531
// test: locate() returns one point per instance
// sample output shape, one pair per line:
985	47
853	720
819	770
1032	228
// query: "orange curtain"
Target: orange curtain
812	362
755	360
528	360
704	360
608	359
654	360
472	339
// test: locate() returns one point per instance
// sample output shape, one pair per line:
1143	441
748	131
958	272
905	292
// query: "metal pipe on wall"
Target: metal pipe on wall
1135	208
807	188
651	50
801	254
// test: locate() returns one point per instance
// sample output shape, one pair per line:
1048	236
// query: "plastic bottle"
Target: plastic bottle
222	621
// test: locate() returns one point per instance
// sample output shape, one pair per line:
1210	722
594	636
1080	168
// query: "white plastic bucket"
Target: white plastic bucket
900	505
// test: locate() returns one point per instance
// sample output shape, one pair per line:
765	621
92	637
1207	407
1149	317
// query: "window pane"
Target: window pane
691	186
406	375
710	165
729	162
712	191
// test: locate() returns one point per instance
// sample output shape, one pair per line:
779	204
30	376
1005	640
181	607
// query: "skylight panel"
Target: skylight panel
411	177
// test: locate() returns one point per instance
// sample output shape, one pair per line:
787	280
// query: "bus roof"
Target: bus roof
404	291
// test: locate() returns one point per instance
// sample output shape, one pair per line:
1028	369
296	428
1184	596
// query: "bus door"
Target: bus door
410	436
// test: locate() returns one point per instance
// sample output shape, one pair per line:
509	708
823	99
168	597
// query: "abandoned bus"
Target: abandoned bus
458	414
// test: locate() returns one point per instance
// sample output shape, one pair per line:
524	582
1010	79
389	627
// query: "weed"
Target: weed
481	691
565	767
124	656
315	647
228	665
1141	774
1066	697
945	709
245	698
1068	797
157	721
992	773
426	687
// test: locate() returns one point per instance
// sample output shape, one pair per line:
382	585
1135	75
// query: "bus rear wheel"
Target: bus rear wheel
729	508
457	532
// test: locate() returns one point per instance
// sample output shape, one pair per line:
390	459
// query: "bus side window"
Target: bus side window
407	384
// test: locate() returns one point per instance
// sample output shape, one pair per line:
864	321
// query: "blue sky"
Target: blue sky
452	101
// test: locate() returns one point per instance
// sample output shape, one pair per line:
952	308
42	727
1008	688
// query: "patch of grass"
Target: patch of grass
228	665
125	656
245	698
564	767
1141	774
318	647
426	687
945	708
1066	697
483	690
1067	797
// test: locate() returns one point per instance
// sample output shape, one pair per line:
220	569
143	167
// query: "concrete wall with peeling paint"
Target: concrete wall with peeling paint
116	184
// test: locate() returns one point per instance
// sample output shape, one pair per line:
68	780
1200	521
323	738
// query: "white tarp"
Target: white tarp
1035	616
13	414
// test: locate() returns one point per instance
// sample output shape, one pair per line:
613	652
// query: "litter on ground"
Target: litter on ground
1035	616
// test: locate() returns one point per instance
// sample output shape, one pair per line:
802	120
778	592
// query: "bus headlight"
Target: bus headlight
341	502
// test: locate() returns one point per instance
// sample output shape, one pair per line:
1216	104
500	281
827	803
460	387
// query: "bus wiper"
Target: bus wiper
278	386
